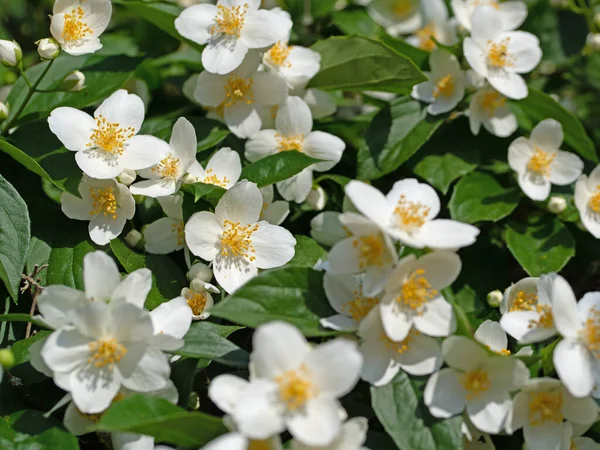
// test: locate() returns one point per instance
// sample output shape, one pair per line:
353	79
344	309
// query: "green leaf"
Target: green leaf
307	252
541	245
65	264
546	355
49	439
276	168
209	341
15	234
395	134
355	63
211	192
419	57
400	409
479	197
167	277
539	106
356	22
155	416
292	294
21	348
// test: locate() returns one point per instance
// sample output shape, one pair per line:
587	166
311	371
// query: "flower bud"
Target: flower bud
7	358
134	239
189	179
194	401
74	82
494	298
48	48
3	111
557	204
593	41
10	53
317	198
200	271
127	177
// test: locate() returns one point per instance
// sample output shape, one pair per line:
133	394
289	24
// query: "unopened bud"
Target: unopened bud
557	204
3	111
10	53
74	82
494	298
593	41
194	401
134	239
7	358
317	198
189	179
127	177
200	271
48	48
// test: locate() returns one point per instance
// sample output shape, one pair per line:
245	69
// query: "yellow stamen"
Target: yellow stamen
498	55
426	35
238	90
541	162
74	27
110	136
475	383
502	351
416	291
444	87
594	202
524	301
197	302
287	143
360	306
278	54
402	7
179	229
104	202
492	3
212	178
259	445
236	240
591	332
296	388
106	352
371	251
229	20
410	215
491	101
168	167
545	407
545	320
399	347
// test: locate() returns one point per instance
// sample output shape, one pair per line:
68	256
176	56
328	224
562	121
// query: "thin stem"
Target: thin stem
33	284
32	88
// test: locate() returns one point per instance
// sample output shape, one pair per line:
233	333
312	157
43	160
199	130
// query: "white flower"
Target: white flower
296	386
557	204
230	29
436	26
413	296
10	53
352	437
166	235
234	239
527	310
491	335
367	250
474	381
236	441
416	354
489	108
165	177
446	86
223	169
199	299
106	144
73	82
587	200
201	272
576	356
48	48
500	56
539	162
294	63
397	16
326	228
127	177
294	132
546	411
274	212
346	296
408	214
317	198
321	103
108	205
512	13
78	24
171	321
240	93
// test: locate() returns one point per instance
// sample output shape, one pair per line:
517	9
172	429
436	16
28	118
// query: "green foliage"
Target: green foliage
208	341
276	168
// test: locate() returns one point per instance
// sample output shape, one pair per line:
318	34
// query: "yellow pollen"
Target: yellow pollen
491	101
218	110
591	332
371	251
502	351
229	20
545	407
274	110
524	301
416	291
179	229
212	178
360	306
197	302
401	346
74	27
402	7
295	388
545	320
573	446
279	53
492	3
259	445
287	143
236	240
104	202
238	90
168	167
444	87
110	136
541	162
475	383
425	36
594	202
106	352
498	55
410	215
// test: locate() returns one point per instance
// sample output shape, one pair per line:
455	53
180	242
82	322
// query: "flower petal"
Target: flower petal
195	22
318	424
278	348
263	28
293	117
444	395
575	367
324	146
72	127
202	235
123	108
274	246
100	276
242	203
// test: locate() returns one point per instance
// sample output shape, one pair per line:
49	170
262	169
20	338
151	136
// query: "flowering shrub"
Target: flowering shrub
300	224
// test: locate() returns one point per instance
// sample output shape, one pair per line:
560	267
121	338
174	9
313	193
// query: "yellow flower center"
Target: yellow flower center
197	302
402	7
259	445
475	383
410	215
296	388
229	20
237	90
287	143
399	347
74	27
444	87
168	167
491	101
416	291
492	3
545	320
104	202
594	202
498	55
371	251
218	110
545	407
502	351
591	332
426	35
179	229
360	306
278	54
211	178
110	136
236	240
106	352
541	162
524	301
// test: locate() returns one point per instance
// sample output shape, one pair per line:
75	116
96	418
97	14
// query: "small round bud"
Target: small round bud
134	239
188	179
127	177
557	204
200	271
7	358
494	298
48	48
74	82
194	401
10	53
317	198
3	111
593	41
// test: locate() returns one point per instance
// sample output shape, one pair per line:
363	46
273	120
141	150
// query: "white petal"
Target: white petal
134	288
519	325
202	234
225	391
278	348
520	152
162	236
242	203
423	92
93	389
524	49
463	354
343	258
274	246
293	117
255	414
506	374
233	272
547	436
98	164
491	335
582	411
230	441
339	322
210	89
124	108
224	54
548	135
486	24
318	424
276	212
72	127
65	350
226	164
324	146
444	395
75	207
269	88
513	14
263	28
172	318
55	303
297	188
423	357
183	141
143	151
262	144
489	411
104	229
154	188
243	120
132	441
564	308
535	187
100	276
151	373
567	167
321	103
510	84
447	234
475	56
369	201
575	367
195	22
